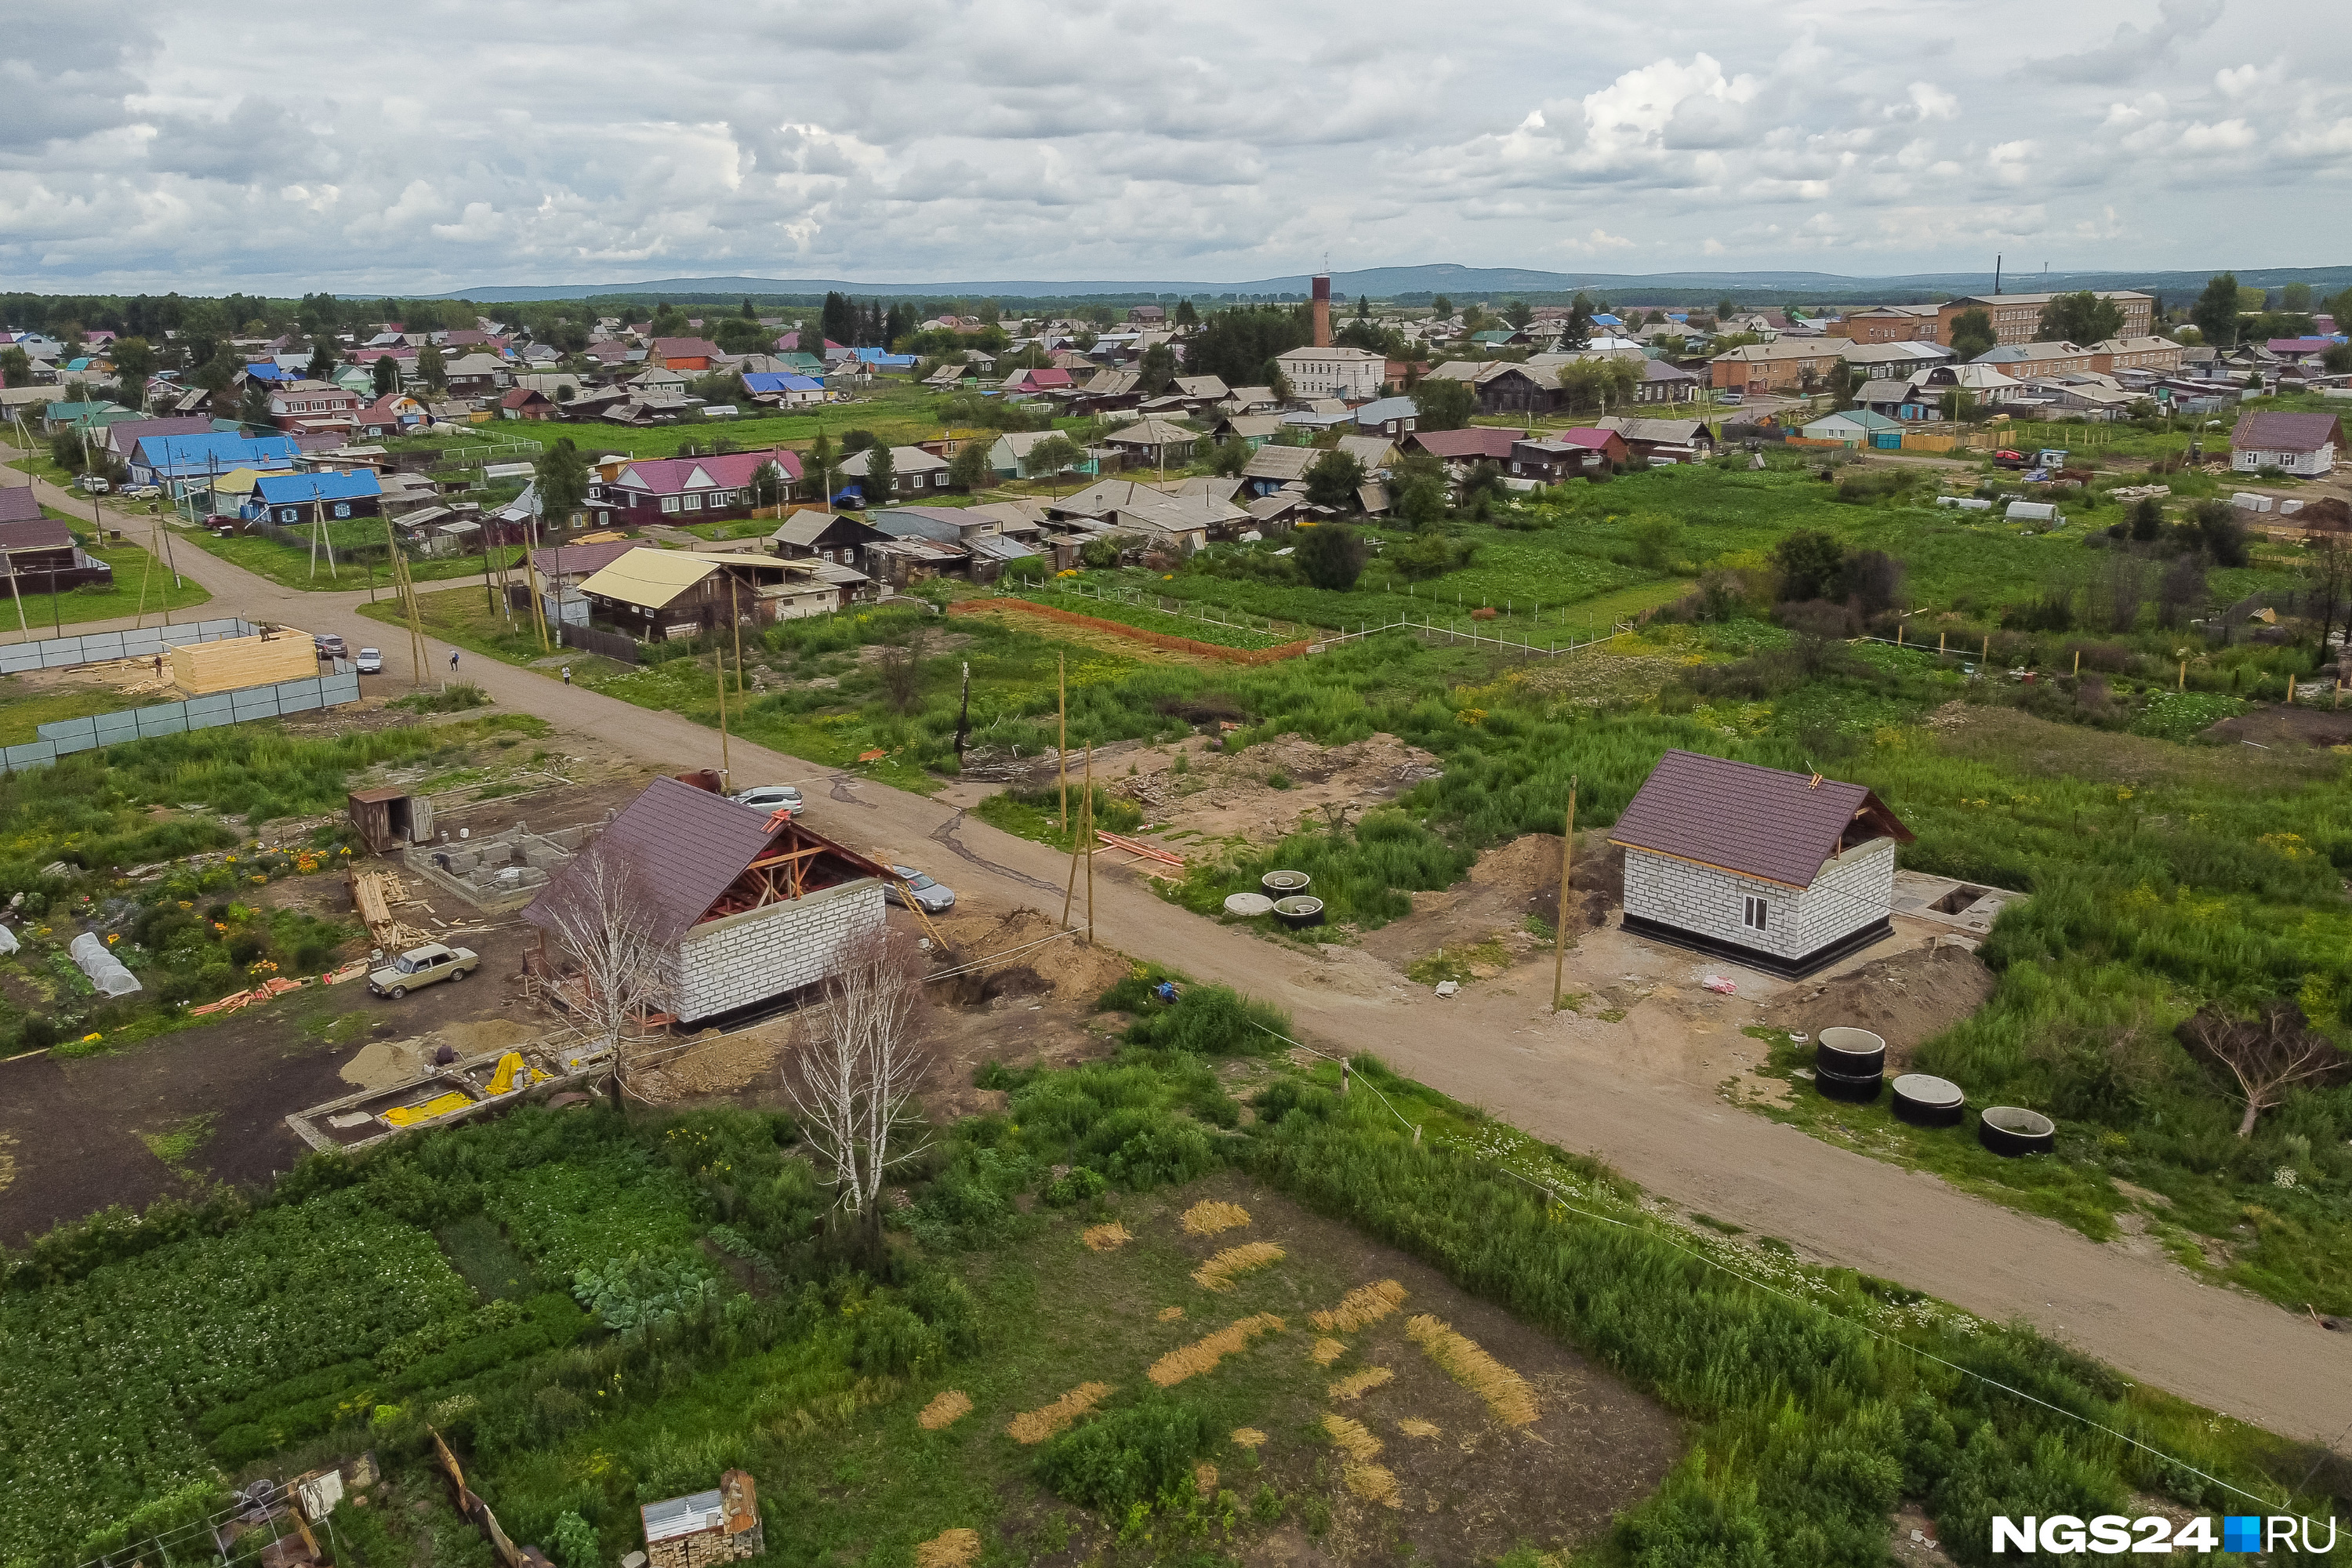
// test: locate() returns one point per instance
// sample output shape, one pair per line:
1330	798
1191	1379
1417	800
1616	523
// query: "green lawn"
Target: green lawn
290	565
464	616
43	615
24	709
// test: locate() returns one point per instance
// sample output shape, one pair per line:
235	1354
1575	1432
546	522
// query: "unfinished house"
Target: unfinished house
1784	872
747	907
496	872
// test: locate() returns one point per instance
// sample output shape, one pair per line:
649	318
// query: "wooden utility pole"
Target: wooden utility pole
735	611
1062	742
1071	890
726	773
1089	835
155	538
1559	929
538	610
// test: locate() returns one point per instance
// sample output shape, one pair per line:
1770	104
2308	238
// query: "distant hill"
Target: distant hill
1462	283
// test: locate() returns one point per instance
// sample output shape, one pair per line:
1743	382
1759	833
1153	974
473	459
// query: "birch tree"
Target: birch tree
601	923
853	1081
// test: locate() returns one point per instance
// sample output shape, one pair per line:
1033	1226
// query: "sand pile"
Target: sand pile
1905	999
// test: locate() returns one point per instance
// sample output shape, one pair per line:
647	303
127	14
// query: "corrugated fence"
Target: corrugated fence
69	735
96	648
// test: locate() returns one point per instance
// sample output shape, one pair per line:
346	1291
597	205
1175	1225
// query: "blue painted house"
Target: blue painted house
292	499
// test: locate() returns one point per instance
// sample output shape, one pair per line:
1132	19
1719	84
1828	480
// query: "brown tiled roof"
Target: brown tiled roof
34	533
1472	441
686	847
1736	817
2269	432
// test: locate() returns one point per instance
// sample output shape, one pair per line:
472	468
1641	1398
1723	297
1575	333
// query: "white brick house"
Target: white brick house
1351	374
751	907
2299	444
1783	872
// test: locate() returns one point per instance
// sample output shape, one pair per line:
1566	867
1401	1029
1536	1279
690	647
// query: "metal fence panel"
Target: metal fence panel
69	735
212	709
113	728
171	718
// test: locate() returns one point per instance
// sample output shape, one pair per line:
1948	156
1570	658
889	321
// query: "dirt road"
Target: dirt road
1498	1045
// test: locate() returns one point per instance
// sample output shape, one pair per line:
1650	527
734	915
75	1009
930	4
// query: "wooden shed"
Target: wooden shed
391	817
235	663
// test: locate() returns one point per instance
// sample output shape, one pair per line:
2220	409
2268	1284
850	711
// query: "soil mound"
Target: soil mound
1905	999
1067	970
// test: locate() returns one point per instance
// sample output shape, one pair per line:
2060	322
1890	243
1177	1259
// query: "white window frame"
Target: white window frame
691	502
669	503
1756	912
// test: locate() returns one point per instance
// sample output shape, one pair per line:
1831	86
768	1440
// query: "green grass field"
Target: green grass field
24	710
37	615
290	566
894	412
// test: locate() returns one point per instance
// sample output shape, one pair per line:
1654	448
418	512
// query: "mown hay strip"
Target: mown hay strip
1356	1385
1507	1394
1205	1479
948	1549
1373	1484
1351	1438
1205	1354
1248	1437
947	1407
1220	1273
1414	1426
1036	1426
1209	1216
1359	1308
1328	1351
1170	1314
1105	1238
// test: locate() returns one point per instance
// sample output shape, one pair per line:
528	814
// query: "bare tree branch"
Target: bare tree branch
602	925
854	1084
2267	1055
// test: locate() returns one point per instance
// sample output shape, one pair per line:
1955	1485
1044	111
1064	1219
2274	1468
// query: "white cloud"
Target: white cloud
142	145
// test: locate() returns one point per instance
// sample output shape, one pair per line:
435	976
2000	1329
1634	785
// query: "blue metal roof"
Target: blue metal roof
281	490
182	455
779	381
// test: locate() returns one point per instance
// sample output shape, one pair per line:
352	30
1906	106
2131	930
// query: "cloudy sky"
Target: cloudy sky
434	146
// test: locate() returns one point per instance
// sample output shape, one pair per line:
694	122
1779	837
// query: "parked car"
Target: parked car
371	662
423	966
329	646
92	484
772	798
2005	458
1733	398
934	898
143	492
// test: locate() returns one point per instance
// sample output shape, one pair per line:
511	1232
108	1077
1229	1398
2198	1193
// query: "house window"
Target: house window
287	514
342	509
669	503
694	503
1755	913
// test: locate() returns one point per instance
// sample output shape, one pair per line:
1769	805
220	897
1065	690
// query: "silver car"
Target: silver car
935	898
371	662
771	799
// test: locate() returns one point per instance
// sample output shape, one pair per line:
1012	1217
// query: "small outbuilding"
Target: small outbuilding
1783	872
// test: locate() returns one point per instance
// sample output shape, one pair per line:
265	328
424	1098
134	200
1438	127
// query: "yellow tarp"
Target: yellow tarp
410	1115
511	1075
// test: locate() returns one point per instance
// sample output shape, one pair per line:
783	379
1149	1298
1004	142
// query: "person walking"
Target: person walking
567	674
453	659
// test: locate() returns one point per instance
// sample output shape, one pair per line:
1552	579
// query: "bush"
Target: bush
459	696
574	1543
1140	1455
1332	556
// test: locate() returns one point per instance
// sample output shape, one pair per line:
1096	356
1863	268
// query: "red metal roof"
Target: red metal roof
728	470
1736	817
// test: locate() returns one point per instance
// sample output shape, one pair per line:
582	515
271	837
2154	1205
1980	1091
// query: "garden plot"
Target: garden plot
1290	1454
1262	793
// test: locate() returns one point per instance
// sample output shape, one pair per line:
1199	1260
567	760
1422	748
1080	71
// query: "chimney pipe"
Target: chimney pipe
1996	273
1321	292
